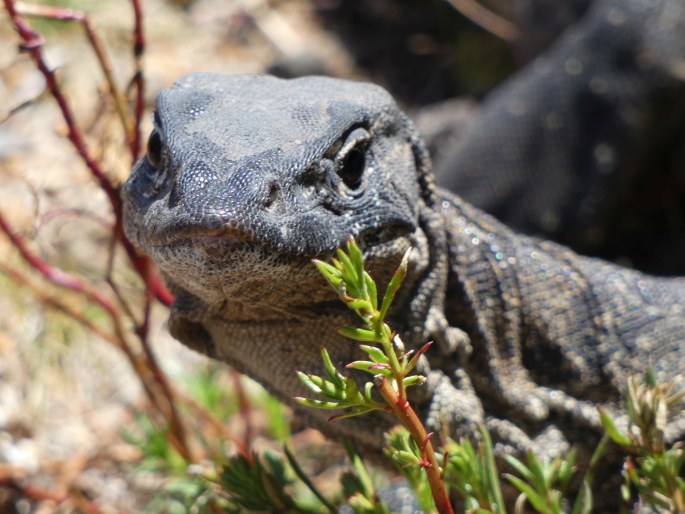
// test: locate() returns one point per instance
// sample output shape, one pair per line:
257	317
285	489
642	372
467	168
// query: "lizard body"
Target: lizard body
249	177
572	147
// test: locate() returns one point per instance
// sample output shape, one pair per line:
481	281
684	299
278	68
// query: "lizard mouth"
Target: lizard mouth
219	244
204	236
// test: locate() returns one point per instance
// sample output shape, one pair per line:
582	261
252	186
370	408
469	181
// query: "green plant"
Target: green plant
258	483
389	363
544	483
269	482
653	471
473	474
358	487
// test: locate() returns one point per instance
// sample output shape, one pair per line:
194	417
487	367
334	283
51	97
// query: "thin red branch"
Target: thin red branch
148	370
200	411
56	275
176	426
487	19
151	375
33	43
80	17
406	414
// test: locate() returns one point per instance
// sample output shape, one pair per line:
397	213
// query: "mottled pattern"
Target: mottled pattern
529	335
568	146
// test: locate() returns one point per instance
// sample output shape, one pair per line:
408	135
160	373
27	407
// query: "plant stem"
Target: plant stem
405	413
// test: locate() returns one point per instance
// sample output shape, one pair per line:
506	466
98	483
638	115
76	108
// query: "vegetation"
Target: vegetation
467	470
188	435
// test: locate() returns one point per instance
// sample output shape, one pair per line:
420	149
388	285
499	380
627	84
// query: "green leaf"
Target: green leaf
358	262
305	479
352	393
252	486
612	430
317	404
353	411
537	501
583	503
369	368
368	388
540	478
395	284
349	272
358	464
323	387
375	353
309	383
520	467
331	273
491	469
336	377
359	334
415	358
355	253
361	306
567	469
414	380
372	291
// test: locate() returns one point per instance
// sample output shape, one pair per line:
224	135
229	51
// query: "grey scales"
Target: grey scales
249	177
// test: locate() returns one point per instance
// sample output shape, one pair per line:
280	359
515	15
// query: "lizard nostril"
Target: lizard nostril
274	192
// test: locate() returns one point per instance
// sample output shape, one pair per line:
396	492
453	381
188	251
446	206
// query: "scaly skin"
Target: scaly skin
247	178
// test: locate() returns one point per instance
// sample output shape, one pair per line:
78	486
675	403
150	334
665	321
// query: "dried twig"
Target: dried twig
153	379
65	14
33	43
486	19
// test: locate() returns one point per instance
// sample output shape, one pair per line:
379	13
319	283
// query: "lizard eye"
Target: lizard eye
352	168
154	148
352	158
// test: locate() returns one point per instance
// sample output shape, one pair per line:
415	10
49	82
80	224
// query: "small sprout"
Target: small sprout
358	334
412	363
375	354
389	362
611	429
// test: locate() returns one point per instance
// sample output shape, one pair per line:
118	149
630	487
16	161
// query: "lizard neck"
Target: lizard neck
499	293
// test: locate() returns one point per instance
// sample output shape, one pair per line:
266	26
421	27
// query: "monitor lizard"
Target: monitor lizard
249	177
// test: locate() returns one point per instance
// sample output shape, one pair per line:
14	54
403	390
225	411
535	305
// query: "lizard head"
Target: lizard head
248	177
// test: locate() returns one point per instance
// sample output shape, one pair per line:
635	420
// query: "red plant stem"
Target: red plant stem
404	412
33	45
220	428
64	14
486	19
154	287
164	402
176	426
56	275
38	494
